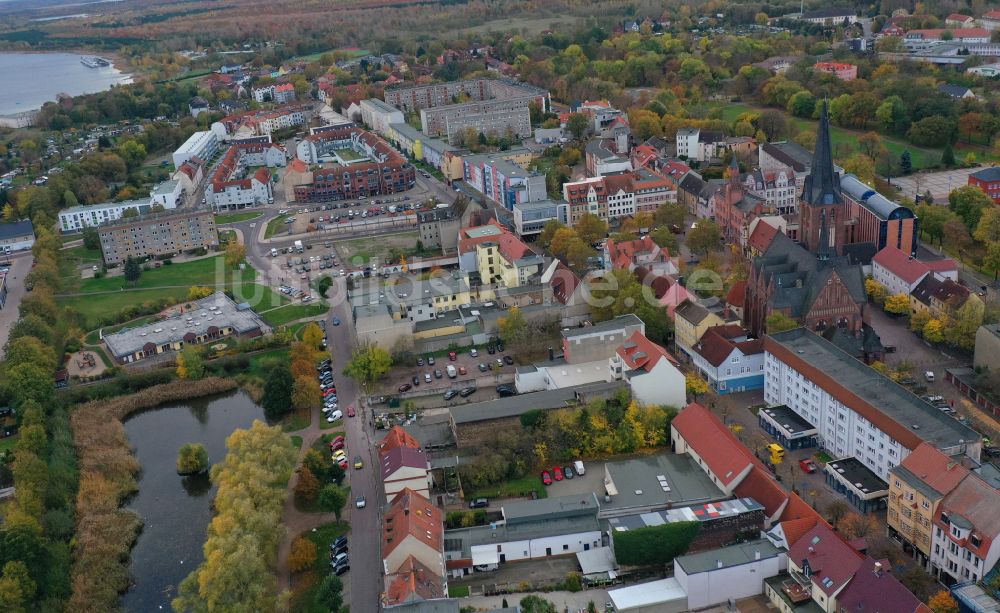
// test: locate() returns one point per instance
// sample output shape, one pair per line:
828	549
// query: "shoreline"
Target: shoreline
118	62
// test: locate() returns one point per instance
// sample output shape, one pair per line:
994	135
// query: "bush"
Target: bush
654	545
192	459
573	583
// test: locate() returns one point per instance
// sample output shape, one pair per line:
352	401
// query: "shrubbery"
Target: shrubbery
654	545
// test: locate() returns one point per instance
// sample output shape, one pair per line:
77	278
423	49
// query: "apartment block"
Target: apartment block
502	118
202	145
76	218
503	180
378	115
415	98
530	217
858	412
616	196
230	187
158	234
255	123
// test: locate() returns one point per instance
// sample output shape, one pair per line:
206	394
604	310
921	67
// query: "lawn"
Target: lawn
920	156
274	225
514	487
297	441
312	57
295	421
458	591
206	271
8	443
94	308
261	362
284	314
237	217
307	582
81	256
93	337
348	155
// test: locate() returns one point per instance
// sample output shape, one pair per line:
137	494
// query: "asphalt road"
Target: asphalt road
19	269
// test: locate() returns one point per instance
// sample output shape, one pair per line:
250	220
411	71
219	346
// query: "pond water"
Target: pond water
176	510
40	77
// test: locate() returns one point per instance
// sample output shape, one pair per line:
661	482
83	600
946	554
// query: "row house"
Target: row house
901	273
777	188
412	550
735	208
262	122
966	542
230	189
586	196
616	196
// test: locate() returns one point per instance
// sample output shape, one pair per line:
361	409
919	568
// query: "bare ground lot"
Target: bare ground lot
361	251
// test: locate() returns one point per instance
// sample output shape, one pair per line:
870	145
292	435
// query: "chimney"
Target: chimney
552	354
756	554
718	563
878	569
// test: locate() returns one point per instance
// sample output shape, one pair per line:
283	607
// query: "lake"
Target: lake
40	77
176	510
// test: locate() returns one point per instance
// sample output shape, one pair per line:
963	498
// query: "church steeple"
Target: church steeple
822	186
823	251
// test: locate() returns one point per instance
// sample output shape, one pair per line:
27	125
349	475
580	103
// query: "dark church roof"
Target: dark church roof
799	276
822	186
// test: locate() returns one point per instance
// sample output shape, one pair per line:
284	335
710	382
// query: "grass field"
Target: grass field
348	155
282	315
528	26
274	225
237	217
847	139
515	487
81	256
8	443
261	362
312	57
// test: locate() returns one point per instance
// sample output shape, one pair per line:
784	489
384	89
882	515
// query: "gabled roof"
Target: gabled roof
562	280
410	515
831	561
925	289
930	471
955	91
624	253
902	265
737	293
762	235
714	443
677	294
691	311
411	582
959	18
402	457
640	353
761	486
972	505
717	344
397	437
951	293
874	588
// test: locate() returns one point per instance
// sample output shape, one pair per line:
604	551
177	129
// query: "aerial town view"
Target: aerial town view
508	306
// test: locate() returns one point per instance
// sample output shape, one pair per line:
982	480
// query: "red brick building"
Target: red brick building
988	180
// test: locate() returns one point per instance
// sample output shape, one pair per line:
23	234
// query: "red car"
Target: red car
334	446
350	411
462	371
807	465
452	356
546	477
329	391
557	473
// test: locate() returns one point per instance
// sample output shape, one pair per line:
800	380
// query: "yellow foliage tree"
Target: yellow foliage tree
934	331
943	602
897	304
235	253
302	556
876	291
312	335
196	292
695	385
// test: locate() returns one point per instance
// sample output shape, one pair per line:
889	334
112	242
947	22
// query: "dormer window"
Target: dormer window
944	518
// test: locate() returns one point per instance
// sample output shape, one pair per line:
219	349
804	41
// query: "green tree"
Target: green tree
132	270
536	604
132	152
892	114
802	104
991	260
988	229
968	318
190	363
368	363
933	219
969	202
654	545
670	215
513	327
325	283
29	382
948	155
779	322
192	458
905	163
704	238
91	238
549	231
278	386
329	596
590	228
577	124
934	131
17	588
332	499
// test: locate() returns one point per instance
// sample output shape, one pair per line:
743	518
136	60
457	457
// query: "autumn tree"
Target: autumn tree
306	393
549	231
17	588
934	331
197	292
991	260
236	252
855	526
875	290
988	229
918	320
513	327
943	602
590	228
897	304
312	335
192	458
190	363
968	318
779	322
695	385
302	555
368	364
704	238
307	487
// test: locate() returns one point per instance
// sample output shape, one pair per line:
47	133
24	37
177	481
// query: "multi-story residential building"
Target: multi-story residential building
821	565
621	197
379	115
988	180
190	174
777	188
230	188
202	145
858	412
405	468
158	234
651	189
503	180
687	143
616	196
383	170
844	72
167	194
602	113
439	228
508	262
691	321
916	488
263	122
966	541
699	145
507	118
986	357
831	16
421	147
586	196
651	372
209	320
639	253
284	93
785	156
417	97
16	236
76	218
530	217
413	532
602	158
901	273
729	360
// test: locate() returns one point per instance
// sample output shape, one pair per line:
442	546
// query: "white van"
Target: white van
452	372
578	467
274	252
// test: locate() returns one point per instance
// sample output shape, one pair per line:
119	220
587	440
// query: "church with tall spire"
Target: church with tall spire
825	223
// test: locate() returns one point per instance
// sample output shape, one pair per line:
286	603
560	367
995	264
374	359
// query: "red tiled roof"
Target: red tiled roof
831	561
934	468
832	66
900	264
876	589
467	243
397	437
410	515
298	165
761	237
512	248
642	354
402	457
958	17
992	15
977	502
761	486
413	581
659	284
564	282
737	293
942	265
716	344
795	529
957	33
286	87
714	443
263	175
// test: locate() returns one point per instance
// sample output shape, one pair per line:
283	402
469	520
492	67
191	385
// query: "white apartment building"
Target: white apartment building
856	411
379	115
167	194
687	143
200	144
621	203
777	188
231	195
75	219
966	532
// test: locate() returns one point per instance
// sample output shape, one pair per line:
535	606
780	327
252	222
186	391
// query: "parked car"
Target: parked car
578	465
338	542
437	373
462	370
499	362
474	353
405	388
506	390
427	377
557	473
500	346
339	560
483	367
358	464
430	360
340	570
450	394
568	472
479	503
508	360
350	411
466	392
807	465
452	356
929	375
420	361
336	321
336	446
546	477
359	502
334	416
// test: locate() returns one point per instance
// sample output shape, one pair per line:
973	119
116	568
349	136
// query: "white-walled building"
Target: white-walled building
650	371
901	273
379	115
76	218
405	467
201	145
729	360
966	536
17	236
719	576
687	143
167	194
858	412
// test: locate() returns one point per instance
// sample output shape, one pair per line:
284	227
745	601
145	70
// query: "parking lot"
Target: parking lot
323	216
591	481
422	376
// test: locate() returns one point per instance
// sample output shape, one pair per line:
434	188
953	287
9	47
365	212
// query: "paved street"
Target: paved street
19	269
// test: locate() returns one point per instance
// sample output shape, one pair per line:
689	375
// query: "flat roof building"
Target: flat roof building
17	236
158	234
635	486
200	144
